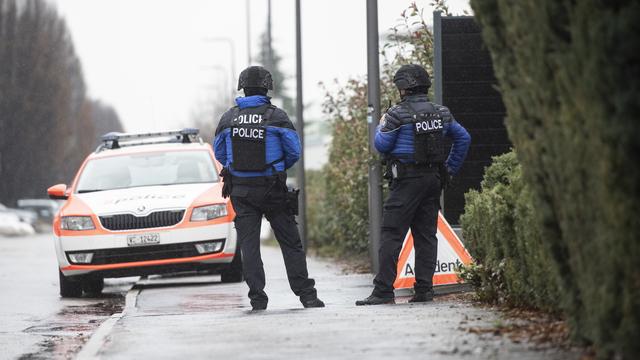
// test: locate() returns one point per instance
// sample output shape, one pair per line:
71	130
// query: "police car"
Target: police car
144	204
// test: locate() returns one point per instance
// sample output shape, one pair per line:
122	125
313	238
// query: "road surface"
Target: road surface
197	317
34	321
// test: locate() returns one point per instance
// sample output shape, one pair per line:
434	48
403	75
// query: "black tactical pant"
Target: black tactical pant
250	204
413	203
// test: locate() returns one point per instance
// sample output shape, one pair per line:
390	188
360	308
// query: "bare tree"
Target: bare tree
104	118
47	124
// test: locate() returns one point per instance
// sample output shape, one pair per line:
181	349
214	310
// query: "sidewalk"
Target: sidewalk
201	319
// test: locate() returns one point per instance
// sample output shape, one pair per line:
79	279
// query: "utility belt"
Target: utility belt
271	182
229	179
257	180
399	170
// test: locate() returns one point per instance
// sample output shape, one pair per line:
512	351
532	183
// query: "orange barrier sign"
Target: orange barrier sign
451	254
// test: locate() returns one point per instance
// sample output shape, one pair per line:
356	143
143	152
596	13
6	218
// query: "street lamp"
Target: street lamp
248	8
232	53
270	65
228	83
300	175
373	113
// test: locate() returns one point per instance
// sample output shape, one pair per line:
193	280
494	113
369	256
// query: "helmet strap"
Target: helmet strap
418	90
251	91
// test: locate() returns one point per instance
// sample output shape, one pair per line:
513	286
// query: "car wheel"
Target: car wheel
69	288
93	286
233	273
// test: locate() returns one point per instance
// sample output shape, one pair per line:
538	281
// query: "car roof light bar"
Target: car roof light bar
115	140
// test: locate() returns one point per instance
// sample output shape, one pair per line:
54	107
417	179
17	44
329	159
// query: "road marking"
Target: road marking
91	350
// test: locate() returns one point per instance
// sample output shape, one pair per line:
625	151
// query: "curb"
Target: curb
92	348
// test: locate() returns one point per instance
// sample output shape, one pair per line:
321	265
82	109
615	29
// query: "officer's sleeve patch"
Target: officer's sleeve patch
389	122
445	113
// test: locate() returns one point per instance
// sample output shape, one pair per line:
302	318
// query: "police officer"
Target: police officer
411	137
256	142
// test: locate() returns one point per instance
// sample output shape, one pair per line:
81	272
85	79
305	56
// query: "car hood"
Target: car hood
141	201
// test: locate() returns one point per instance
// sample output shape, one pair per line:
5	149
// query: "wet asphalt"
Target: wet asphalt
35	323
200	318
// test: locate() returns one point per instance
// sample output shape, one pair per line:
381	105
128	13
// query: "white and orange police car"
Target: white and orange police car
144	204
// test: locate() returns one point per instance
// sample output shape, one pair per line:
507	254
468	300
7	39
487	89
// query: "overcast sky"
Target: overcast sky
153	60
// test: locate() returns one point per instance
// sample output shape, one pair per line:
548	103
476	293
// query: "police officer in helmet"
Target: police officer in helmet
256	142
411	137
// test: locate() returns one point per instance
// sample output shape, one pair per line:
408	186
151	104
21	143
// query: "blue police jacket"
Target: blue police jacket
395	134
282	141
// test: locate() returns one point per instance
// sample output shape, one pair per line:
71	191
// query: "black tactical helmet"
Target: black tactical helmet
410	76
255	76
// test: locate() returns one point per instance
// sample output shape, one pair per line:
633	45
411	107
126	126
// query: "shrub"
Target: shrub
344	221
316	197
501	232
569	75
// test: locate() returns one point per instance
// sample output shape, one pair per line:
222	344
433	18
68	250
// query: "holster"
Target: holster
293	201
291	195
386	174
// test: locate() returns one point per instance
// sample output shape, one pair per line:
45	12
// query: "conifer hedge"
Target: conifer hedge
568	72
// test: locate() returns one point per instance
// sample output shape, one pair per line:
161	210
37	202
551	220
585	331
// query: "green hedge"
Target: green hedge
337	195
316	190
569	75
501	232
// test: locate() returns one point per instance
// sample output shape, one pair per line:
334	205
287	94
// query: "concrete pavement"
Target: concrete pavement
199	318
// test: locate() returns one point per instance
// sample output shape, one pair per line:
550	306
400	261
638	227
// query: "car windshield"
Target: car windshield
147	169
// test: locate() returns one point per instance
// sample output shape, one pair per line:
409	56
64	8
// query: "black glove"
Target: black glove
451	181
445	177
227	185
281	180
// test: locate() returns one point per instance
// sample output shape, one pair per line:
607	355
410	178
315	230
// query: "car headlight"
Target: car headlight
204	213
77	223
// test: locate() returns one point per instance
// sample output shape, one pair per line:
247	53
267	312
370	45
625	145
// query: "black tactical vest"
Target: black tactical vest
249	140
428	128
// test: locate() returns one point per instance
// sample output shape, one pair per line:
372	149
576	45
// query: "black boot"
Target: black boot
422	296
375	300
312	303
257	306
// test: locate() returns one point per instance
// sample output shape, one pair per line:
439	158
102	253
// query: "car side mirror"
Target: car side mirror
58	192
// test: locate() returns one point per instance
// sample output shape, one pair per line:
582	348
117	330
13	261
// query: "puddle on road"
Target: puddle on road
111	305
65	333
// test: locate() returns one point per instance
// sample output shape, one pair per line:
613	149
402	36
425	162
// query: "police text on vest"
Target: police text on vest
428	125
248	119
248	133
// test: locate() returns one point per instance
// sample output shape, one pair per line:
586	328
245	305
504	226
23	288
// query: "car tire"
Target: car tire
93	286
233	274
69	288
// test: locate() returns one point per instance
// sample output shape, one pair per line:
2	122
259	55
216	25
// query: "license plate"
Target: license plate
143	239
